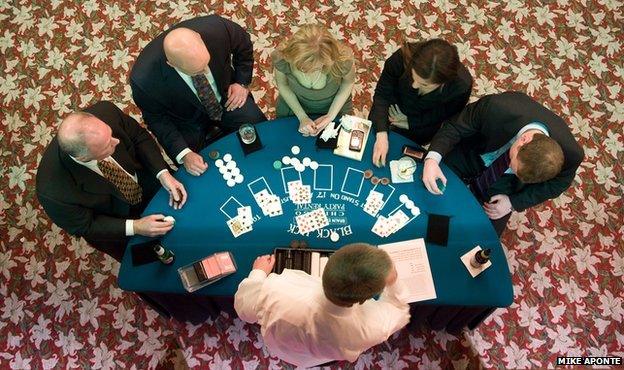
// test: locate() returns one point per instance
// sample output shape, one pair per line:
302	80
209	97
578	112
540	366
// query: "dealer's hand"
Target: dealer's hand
498	206
152	225
432	172
237	95
177	193
380	149
264	263
194	163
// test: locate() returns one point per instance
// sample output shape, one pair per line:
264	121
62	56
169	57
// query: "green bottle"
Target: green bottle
165	256
480	258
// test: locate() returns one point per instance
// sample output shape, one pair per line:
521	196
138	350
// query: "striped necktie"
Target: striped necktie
489	176
207	97
129	188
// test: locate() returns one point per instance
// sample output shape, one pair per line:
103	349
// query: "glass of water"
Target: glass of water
247	133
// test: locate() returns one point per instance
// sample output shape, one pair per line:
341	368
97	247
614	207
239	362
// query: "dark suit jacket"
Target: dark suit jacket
491	122
425	113
85	204
166	100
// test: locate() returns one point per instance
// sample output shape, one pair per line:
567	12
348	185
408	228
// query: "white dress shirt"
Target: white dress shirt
92	165
189	81
301	326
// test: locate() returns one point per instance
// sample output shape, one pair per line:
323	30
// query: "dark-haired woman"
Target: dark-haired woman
421	85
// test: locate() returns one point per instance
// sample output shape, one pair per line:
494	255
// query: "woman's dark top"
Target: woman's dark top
425	113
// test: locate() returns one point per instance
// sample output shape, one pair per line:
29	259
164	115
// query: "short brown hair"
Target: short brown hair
539	160
355	273
434	60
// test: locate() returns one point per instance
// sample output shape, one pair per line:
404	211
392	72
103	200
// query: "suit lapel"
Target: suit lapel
176	84
90	181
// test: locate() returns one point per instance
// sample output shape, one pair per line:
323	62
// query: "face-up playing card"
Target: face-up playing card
273	206
383	226
245	216
312	221
374	202
400	219
236	227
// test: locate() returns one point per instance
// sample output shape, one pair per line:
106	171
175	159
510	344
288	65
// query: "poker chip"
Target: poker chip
415	211
219	163
277	165
403	198
227	157
231	165
169	219
300	167
295	150
213	154
239	179
227	176
375	180
294	161
286	160
306	161
384	181
222	169
410	204
368	174
231	183
314	165
235	171
334	236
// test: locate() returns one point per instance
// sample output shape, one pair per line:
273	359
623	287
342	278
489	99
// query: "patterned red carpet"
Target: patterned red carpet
59	304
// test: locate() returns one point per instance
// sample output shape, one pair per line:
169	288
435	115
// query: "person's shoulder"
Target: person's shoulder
279	63
50	171
464	78
149	60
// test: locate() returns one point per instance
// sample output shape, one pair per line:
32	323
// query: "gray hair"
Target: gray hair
72	133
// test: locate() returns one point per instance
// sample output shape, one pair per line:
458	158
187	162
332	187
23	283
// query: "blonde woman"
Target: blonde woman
314	75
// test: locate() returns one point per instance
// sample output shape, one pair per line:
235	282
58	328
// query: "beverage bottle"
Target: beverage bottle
165	256
480	258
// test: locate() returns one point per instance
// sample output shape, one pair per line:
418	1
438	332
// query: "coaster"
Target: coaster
329	144
250	148
394	174
466	260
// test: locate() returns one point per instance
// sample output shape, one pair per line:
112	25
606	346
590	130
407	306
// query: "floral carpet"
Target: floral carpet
60	306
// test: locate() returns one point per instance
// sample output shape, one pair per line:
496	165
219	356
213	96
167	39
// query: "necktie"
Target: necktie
207	97
489	176
129	188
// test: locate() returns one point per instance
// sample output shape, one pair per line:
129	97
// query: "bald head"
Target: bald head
85	137
186	51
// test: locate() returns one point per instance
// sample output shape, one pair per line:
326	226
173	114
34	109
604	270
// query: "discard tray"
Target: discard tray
311	261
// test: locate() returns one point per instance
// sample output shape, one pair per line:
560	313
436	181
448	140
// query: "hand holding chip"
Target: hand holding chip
177	193
264	263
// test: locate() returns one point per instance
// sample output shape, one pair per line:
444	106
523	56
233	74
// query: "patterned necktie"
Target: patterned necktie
129	188
207	97
489	176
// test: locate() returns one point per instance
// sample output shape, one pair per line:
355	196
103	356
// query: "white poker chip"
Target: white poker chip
286	160
300	167
415	211
231	183
222	169
239	179
314	165
219	163
295	150
169	219
403	198
294	161
231	165
306	161
227	157
410	204
334	236
235	171
227	176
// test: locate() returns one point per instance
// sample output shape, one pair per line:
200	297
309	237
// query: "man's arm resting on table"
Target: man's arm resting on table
247	294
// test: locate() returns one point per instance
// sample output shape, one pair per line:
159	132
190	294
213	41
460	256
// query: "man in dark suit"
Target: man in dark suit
98	174
512	152
191	81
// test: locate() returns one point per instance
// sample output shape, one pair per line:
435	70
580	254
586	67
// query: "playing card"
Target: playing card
312	221
399	219
245	215
273	206
383	226
235	226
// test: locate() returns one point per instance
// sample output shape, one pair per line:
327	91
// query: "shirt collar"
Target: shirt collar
92	162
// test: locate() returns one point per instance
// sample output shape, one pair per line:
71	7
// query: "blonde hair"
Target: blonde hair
312	47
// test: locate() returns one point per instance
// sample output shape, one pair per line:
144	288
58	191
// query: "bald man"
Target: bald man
191	84
98	174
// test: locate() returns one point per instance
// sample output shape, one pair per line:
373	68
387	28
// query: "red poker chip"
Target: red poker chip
385	181
368	174
375	180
